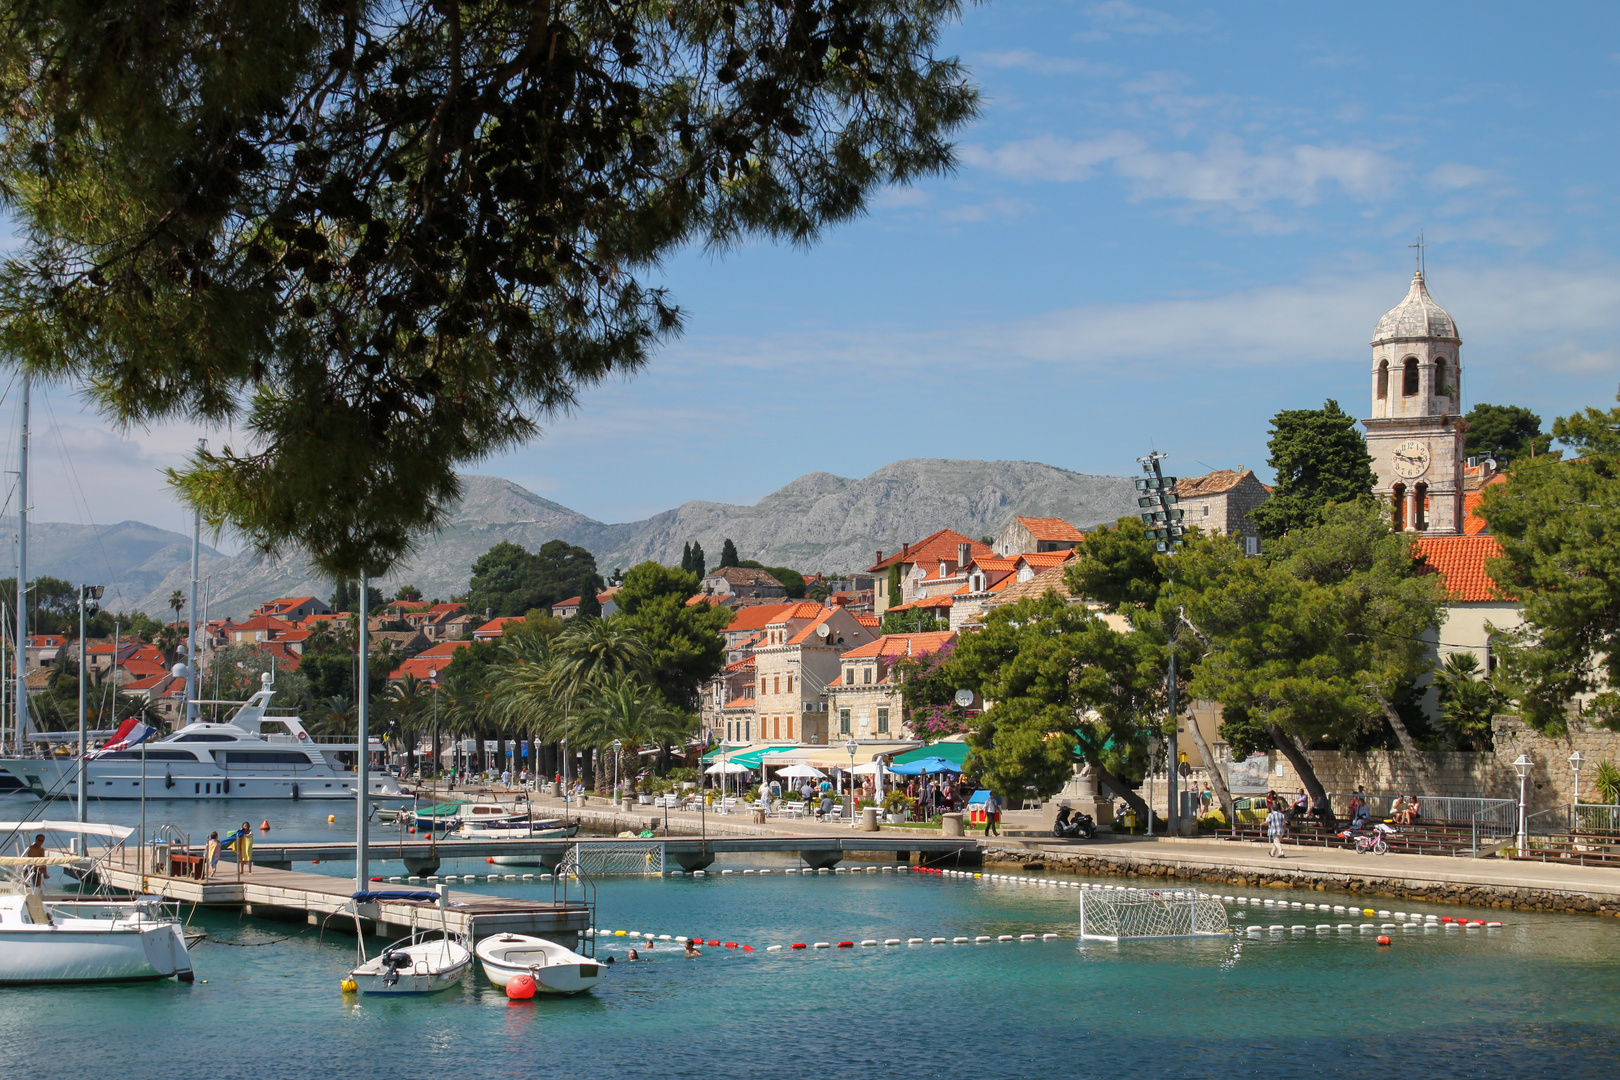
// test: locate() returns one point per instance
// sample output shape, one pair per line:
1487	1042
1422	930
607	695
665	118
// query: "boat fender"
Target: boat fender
295	791
168	780
226	787
348	986
520	988
332	819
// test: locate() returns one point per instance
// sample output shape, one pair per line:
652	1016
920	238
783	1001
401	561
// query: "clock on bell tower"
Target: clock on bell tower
1415	432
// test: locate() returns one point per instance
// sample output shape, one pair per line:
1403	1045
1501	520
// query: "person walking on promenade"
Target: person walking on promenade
1276	828
992	814
211	854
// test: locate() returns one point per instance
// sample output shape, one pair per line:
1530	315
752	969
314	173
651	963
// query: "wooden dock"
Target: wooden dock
326	900
684	853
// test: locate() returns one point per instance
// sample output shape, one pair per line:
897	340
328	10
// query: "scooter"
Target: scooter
1070	825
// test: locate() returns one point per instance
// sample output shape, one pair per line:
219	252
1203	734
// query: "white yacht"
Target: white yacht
233	759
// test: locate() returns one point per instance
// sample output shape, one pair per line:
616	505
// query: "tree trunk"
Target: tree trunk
1120	788
1302	765
1420	764
1217	779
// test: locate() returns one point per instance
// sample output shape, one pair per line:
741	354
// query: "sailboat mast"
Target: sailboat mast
193	652
362	830
21	644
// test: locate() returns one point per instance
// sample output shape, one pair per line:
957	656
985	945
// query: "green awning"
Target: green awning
750	759
954	752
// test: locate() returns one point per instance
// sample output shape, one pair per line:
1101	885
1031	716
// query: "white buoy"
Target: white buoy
891	941
822	945
914	941
773	948
1049	937
868	943
938	941
1026	937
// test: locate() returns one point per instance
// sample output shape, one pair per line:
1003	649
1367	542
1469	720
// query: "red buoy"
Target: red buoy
747	948
376	879
846	944
264	826
731	944
1383	939
412	829
714	943
521	988
1447	918
490	859
800	945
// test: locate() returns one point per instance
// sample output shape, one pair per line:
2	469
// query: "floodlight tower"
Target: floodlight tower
1157	500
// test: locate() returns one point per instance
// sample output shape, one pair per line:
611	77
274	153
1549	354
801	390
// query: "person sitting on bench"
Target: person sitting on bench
1409	813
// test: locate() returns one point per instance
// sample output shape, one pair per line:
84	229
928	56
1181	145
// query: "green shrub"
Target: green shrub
1608	782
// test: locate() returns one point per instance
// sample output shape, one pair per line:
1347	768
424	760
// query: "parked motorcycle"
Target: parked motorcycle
1070	825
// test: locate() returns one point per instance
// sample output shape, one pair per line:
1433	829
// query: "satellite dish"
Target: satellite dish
964	698
823	630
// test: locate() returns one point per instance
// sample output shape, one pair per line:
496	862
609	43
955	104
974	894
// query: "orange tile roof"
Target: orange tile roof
46	640
287	602
444	649
804	609
422	667
926	602
143	684
263	622
741	703
1048	580
904	645
1461	560
869	620
1041	560
1051	529
810	627
756	617
496	627
935	546
1473	523
1216	483
741	665
704	598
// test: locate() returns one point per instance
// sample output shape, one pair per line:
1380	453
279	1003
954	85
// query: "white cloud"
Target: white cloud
1453	176
1571	357
1121	17
1051	157
1025	60
1223	173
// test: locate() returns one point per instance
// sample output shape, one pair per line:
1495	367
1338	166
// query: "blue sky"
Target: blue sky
1169	223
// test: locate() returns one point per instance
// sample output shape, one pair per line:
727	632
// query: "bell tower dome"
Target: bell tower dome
1415	432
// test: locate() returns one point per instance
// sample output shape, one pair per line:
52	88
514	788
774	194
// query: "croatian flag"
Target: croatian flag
132	732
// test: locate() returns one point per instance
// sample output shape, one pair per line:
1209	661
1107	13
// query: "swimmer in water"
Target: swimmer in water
633	955
691	948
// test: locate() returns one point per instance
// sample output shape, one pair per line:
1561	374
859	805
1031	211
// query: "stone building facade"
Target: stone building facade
1219	504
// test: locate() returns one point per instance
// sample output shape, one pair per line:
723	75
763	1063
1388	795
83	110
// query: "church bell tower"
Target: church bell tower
1415	433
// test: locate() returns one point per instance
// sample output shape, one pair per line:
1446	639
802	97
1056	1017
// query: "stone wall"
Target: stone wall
1487	774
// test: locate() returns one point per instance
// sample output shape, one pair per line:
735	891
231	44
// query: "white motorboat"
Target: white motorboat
45	941
555	969
234	759
414	966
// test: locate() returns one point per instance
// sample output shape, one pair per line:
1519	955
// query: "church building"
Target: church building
1415	433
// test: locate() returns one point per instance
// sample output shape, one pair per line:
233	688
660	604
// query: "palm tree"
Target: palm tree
622	708
177	601
409	699
332	716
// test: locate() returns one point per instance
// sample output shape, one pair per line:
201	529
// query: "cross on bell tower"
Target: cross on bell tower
1415	433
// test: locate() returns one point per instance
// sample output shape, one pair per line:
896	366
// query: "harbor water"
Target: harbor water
1535	997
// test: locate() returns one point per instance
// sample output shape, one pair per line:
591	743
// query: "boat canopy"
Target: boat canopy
84	828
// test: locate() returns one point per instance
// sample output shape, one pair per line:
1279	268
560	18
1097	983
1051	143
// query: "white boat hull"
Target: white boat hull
555	969
33	955
192	781
434	966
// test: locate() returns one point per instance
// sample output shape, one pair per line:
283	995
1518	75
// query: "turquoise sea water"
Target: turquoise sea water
1536	998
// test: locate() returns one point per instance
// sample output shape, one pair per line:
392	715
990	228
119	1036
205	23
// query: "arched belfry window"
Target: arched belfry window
1442	384
1409	380
1420	507
1383	379
1397	518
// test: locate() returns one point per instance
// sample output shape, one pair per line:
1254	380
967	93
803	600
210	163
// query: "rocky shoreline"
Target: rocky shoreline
1102	863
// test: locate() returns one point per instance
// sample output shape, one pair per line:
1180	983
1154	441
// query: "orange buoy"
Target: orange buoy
846	944
264	826
490	859
411	829
376	879
731	944
330	818
1383	939
314	862
521	988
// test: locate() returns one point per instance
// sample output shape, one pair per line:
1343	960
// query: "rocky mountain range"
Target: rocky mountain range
817	522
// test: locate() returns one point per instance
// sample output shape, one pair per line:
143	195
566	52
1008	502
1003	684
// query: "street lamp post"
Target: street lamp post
1521	765
617	748
87	593
1575	763
852	746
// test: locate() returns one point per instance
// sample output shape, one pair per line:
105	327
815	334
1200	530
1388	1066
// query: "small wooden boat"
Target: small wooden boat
414	966
555	969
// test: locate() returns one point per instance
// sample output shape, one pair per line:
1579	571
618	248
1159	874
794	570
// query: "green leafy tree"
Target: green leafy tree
914	621
346	597
410	702
53	604
1557	523
389	239
1504	432
624	708
509	580
684	641
1321	459
1468	701
728	554
177	603
1061	684
790	579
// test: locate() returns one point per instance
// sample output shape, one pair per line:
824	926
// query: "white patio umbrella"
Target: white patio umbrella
803	772
722	768
876	769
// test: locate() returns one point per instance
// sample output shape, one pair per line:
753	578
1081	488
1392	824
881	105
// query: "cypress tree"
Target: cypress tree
728	554
686	557
699	561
